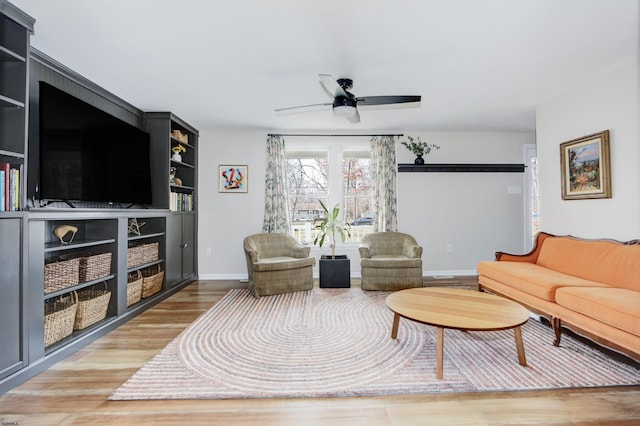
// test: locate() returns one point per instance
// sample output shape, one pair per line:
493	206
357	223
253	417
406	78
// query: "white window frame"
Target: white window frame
335	147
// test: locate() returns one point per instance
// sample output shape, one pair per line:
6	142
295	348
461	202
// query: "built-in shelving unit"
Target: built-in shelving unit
94	237
16	28
462	168
28	242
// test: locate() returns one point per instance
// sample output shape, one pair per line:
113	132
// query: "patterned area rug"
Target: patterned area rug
336	342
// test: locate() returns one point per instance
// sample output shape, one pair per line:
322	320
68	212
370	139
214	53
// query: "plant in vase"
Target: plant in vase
419	148
334	271
177	152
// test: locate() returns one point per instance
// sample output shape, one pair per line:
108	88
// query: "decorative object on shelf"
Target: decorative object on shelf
585	167
62	231
419	148
232	178
173	180
178	135
177	150
134	226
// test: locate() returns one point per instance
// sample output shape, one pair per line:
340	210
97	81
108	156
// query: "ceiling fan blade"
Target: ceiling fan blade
331	86
355	118
386	100
303	108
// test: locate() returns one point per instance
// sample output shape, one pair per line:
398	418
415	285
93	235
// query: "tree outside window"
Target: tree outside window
310	179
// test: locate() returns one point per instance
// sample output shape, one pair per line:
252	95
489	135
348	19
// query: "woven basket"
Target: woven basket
134	287
152	280
61	274
135	256
95	266
92	307
150	252
59	317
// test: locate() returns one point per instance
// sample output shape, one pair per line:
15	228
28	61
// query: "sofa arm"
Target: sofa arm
365	251
531	257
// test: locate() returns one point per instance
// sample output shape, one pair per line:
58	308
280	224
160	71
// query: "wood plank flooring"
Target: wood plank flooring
75	390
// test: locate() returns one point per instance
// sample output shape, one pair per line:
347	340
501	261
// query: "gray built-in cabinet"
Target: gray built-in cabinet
28	243
15	30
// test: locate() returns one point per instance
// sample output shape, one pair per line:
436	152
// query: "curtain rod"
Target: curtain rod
333	135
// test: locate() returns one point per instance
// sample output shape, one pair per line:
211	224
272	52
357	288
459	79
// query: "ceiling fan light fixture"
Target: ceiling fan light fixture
344	106
344	111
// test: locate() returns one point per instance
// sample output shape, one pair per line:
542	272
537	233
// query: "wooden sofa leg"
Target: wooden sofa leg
557	327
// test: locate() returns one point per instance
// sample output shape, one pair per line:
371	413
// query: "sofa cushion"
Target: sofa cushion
391	261
282	262
607	262
531	278
617	307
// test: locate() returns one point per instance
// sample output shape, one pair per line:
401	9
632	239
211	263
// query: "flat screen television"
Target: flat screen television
88	155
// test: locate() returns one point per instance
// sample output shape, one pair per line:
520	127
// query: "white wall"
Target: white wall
471	211
610	102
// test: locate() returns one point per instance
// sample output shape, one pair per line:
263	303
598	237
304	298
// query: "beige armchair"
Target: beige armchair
277	264
390	261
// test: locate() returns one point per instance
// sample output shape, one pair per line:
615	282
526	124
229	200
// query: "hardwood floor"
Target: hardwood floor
75	391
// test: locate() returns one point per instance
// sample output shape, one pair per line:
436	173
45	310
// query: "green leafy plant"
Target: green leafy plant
332	226
418	147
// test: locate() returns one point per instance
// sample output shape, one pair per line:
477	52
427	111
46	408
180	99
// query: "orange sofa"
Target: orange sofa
589	286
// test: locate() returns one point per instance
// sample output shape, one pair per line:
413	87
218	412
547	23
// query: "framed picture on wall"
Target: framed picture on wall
585	168
232	178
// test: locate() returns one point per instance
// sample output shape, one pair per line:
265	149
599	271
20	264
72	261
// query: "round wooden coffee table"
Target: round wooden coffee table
457	309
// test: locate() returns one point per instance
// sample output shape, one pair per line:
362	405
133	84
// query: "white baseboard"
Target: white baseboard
435	274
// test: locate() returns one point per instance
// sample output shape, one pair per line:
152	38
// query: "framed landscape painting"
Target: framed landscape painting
232	178
585	167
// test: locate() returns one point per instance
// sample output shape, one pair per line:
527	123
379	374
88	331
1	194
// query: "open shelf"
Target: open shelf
462	168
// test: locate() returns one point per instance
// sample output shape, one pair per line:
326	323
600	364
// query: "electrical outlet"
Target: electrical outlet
449	248
207	251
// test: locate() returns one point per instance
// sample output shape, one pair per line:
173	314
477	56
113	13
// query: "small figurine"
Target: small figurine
61	231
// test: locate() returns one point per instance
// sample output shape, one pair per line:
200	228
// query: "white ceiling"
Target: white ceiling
227	64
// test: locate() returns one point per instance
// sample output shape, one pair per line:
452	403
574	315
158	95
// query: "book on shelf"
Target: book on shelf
10	193
179	202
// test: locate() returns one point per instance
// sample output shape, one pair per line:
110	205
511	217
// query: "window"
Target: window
334	174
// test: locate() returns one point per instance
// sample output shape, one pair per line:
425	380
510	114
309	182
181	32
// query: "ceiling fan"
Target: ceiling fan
345	104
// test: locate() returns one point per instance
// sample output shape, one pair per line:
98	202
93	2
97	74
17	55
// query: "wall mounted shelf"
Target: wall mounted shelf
468	168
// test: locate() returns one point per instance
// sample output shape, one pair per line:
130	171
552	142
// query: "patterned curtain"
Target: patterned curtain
276	211
383	177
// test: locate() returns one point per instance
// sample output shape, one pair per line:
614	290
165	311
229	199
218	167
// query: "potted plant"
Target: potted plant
334	270
419	148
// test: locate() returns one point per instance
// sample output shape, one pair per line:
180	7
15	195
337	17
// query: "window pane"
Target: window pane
308	180
356	192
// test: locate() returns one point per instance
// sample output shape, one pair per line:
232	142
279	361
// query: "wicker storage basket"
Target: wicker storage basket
59	317
61	274
135	256
152	280
94	266
134	287
150	252
92	307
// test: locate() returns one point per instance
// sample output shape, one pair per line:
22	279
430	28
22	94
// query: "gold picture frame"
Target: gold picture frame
585	167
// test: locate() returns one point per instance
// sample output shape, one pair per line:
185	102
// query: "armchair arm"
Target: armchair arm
365	250
412	251
298	251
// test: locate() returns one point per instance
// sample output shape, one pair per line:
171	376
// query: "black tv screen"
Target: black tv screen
89	155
